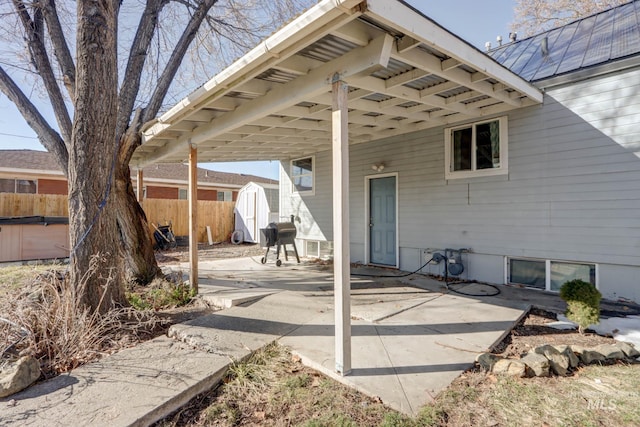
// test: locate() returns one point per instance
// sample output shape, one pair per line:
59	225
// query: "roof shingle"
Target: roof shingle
44	161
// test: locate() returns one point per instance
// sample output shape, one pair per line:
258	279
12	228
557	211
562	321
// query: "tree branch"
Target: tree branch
60	46
47	135
137	56
34	30
176	58
165	80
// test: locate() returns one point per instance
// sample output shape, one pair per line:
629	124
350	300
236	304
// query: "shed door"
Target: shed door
251	211
382	220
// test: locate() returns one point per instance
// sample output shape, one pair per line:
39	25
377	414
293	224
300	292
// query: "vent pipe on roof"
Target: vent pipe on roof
487	46
513	36
499	40
544	46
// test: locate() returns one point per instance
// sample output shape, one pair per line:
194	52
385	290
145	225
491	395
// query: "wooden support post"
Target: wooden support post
341	257
193	217
139	184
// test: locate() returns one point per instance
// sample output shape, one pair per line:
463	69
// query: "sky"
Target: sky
474	21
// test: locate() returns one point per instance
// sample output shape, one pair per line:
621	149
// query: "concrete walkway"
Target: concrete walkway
410	340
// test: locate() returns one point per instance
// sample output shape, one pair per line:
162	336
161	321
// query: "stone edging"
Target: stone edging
548	359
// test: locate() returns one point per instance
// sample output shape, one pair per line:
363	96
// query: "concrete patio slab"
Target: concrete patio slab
409	342
408	358
133	387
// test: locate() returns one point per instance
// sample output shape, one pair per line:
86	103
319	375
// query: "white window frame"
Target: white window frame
449	173
547	272
313	176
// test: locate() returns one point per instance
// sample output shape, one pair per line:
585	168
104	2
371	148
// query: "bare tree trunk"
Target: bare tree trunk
96	267
137	246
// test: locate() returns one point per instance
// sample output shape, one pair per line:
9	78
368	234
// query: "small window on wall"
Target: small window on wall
225	196
182	194
302	175
477	149
25	186
562	272
547	274
7	185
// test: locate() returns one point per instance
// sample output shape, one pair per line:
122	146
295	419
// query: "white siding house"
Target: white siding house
397	138
566	206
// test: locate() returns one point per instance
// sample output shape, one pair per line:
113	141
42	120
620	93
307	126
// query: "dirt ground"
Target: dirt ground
210	252
532	332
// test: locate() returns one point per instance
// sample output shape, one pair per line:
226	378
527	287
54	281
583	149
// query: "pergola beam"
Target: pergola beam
359	61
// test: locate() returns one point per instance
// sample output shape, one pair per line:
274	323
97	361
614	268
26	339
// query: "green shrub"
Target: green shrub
583	303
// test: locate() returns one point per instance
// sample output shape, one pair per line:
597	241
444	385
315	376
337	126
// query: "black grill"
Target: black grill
279	234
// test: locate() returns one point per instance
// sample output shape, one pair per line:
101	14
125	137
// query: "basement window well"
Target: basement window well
476	149
548	274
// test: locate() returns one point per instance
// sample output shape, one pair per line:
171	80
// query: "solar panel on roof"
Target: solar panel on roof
539	57
575	53
498	52
534	48
626	35
516	52
599	49
556	52
596	39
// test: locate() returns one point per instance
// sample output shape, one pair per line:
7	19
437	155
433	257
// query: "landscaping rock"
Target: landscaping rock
610	351
510	367
537	364
587	355
628	349
571	356
558	362
19	375
487	360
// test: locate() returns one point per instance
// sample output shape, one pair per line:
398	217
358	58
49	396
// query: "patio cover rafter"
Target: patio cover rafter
404	72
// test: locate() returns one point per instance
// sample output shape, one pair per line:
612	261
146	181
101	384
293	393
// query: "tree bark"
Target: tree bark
136	243
96	269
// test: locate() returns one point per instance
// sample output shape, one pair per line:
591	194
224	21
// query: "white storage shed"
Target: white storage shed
256	207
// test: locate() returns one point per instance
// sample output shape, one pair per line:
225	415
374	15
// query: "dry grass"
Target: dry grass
13	279
272	388
594	396
46	321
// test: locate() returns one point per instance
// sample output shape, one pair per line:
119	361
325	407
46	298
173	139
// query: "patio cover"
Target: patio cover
405	73
344	72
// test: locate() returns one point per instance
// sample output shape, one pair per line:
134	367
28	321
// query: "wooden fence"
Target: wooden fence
33	205
217	215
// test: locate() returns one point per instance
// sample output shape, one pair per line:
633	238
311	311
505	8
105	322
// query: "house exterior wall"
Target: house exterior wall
572	192
158	192
52	186
207	194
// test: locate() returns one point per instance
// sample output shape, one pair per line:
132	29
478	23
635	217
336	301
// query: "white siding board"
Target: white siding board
572	192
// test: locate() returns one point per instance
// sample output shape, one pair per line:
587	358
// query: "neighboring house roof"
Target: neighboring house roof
43	161
30	160
180	171
605	37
